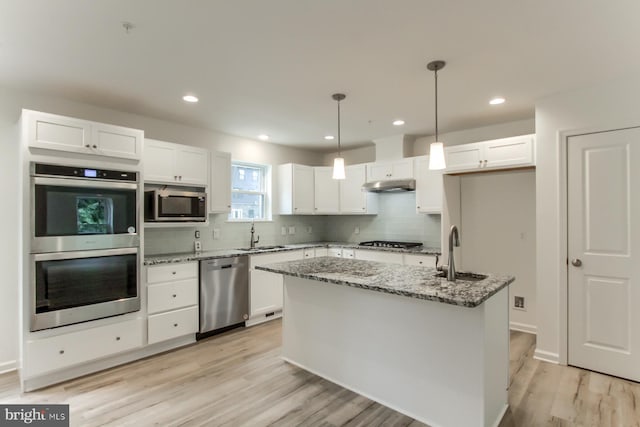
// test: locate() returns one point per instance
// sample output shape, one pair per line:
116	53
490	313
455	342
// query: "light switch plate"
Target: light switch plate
292	230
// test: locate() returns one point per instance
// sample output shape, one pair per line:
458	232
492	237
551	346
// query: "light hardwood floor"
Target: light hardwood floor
237	379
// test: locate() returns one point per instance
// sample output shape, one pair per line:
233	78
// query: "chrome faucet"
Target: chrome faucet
252	243
451	268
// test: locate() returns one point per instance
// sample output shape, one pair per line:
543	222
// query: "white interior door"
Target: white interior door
604	276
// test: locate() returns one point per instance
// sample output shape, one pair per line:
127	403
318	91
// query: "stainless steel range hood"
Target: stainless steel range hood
390	185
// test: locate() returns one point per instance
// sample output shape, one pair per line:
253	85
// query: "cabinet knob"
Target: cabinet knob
418	207
117	338
88	146
174	295
95	146
173	272
61	351
480	162
230	206
175	325
419	262
180	177
485	162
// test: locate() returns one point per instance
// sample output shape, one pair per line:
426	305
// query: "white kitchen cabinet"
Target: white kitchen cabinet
172	300
220	188
518	151
176	164
326	191
265	288
397	169
60	133
320	252
429	187
334	252
420	260
295	189
348	253
74	348
309	253
352	199
379	256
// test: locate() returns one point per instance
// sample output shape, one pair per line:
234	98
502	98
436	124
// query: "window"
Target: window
250	191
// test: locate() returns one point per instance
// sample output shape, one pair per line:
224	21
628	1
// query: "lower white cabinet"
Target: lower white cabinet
320	252
62	351
172	300
420	260
334	252
265	288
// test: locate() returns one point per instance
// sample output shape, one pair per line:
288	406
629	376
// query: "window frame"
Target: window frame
266	192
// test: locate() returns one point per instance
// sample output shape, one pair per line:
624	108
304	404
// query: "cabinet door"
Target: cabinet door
58	133
220	189
159	162
326	191
402	169
265	292
352	198
302	184
506	152
172	324
464	157
192	165
378	171
428	187
116	141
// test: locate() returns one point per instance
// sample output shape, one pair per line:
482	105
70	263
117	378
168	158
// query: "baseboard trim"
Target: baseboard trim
546	356
9	366
523	327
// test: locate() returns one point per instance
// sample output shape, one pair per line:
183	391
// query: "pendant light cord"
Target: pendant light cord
339	150
436	80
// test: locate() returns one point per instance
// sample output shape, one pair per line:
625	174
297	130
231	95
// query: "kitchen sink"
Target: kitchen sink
262	248
469	277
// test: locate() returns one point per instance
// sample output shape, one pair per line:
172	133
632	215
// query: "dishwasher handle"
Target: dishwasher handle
224	263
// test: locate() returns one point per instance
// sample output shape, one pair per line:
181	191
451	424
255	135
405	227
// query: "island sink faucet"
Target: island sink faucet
252	243
451	268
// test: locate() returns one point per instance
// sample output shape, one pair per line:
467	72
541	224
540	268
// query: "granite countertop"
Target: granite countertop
224	253
409	281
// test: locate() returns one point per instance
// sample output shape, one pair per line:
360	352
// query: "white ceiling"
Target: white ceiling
270	66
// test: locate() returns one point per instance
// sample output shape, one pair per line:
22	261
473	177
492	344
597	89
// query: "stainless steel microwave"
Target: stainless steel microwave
175	205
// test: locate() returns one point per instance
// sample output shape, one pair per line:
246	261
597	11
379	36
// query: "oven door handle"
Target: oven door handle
83	183
54	256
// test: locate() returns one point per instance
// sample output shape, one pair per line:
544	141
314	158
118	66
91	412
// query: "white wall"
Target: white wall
11	104
606	106
498	233
354	156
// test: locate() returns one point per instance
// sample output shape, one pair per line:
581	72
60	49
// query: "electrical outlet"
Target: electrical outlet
292	229
518	302
197	245
357	230
216	233
283	230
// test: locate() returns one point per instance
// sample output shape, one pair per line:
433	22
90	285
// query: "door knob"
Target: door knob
576	262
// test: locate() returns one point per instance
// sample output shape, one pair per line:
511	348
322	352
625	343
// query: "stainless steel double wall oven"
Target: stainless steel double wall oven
84	244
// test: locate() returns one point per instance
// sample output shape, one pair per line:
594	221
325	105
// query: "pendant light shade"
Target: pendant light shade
338	162
436	149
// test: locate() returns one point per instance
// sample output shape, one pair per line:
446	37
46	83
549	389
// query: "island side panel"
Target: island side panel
423	358
496	344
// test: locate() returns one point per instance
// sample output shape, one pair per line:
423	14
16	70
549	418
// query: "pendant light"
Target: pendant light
436	150
338	162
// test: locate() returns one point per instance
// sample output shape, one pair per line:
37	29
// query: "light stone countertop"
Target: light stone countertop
224	253
405	280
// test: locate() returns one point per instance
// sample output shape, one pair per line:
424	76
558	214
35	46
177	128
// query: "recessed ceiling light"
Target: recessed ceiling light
398	122
328	137
263	137
497	101
190	98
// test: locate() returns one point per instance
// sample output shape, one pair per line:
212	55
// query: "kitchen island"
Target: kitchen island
434	350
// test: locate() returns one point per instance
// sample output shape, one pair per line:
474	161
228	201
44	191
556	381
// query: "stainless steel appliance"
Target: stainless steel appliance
73	287
76	208
175	205
390	244
224	292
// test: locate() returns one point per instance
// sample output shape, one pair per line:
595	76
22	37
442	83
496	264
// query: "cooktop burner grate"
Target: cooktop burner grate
388	244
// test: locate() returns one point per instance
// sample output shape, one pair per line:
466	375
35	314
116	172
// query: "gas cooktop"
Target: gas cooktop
388	244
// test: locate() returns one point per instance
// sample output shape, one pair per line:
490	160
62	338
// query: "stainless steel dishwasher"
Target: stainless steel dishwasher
224	292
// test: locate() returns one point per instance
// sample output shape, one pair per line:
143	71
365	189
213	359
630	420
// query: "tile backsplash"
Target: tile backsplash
396	220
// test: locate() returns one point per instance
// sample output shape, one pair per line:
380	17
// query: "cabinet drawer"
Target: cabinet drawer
172	272
319	252
420	260
309	253
379	256
172	295
173	324
335	252
348	253
50	354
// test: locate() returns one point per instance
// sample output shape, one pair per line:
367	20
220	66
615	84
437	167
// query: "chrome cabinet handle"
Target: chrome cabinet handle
576	262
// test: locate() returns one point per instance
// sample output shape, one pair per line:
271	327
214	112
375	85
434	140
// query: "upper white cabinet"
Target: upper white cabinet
220	189
60	133
428	187
352	199
169	163
295	189
517	151
326	191
397	169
